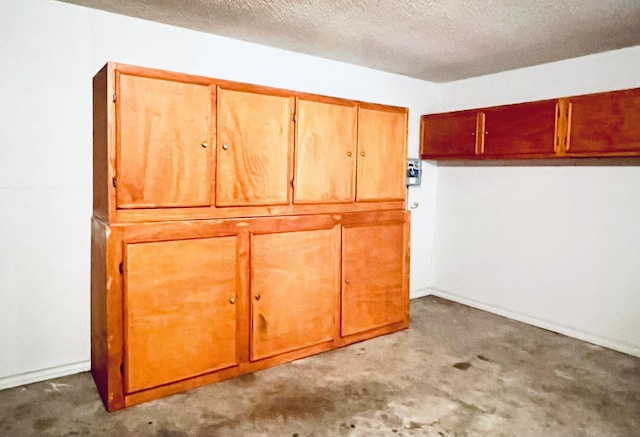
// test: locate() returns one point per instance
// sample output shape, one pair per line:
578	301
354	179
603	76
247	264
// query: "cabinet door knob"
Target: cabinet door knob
348	153
346	281
225	147
205	145
361	153
232	300
258	297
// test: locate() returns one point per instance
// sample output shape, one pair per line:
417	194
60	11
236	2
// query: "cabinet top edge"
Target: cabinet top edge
114	68
510	105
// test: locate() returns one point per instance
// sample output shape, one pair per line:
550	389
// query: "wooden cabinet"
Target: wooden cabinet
225	216
605	123
381	168
255	140
374	300
179	309
527	129
448	135
595	125
163	128
294	290
325	152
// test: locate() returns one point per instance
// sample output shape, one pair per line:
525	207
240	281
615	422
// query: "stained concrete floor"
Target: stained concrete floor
455	371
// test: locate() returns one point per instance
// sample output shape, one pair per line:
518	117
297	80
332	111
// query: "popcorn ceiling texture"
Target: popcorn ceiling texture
435	40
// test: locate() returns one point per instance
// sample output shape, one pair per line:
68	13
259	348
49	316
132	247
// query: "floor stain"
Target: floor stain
483	358
45	423
462	365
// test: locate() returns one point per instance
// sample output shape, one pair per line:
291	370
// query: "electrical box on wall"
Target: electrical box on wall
414	172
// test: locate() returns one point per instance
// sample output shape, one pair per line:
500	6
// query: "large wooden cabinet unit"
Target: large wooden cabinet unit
236	227
595	125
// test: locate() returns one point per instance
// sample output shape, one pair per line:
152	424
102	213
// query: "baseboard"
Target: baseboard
44	374
421	292
540	323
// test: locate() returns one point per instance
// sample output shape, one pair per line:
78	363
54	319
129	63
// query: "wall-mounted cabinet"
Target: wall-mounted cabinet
604	124
226	217
596	125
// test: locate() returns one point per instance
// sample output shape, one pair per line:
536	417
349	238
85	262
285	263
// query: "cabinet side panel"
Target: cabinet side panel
100	145
99	308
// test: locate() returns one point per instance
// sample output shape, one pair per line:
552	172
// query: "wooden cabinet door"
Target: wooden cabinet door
294	290
163	158
605	123
325	153
523	129
375	275
382	155
451	135
255	141
180	319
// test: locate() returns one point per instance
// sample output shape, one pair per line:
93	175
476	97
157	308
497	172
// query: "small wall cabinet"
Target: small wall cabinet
228	221
596	125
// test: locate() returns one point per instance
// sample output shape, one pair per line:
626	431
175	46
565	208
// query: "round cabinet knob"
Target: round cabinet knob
361	153
258	297
473	134
225	147
346	281
486	132
205	145
348	153
232	300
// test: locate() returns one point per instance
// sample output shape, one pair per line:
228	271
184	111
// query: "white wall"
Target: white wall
50	51
555	246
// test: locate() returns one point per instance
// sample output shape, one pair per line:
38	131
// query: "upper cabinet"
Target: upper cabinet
520	130
163	132
596	125
172	146
451	135
605	123
381	164
325	153
254	144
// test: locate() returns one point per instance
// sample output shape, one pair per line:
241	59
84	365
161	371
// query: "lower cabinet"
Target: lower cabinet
374	272
175	305
294	283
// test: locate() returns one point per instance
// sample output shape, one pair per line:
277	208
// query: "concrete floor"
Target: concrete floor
456	371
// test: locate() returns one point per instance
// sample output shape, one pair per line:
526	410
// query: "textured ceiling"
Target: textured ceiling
436	40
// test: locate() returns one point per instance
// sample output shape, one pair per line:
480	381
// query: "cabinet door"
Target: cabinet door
374	286
180	318
605	123
254	145
294	288
325	153
381	155
162	157
523	129
451	135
